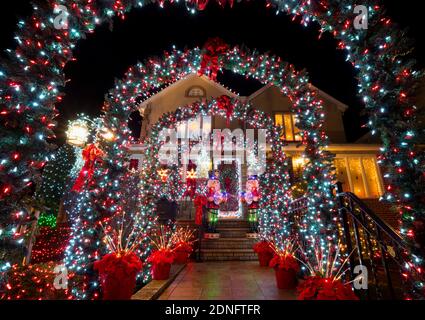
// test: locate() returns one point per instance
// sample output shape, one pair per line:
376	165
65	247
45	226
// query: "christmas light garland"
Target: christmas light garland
31	78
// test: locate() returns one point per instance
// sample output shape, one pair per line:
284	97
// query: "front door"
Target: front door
231	184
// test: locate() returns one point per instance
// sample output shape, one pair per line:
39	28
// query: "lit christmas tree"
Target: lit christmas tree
55	182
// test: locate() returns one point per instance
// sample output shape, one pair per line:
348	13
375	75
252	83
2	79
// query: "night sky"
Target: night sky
107	54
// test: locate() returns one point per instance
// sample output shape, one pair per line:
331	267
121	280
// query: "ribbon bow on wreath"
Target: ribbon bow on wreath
202	4
225	103
91	154
209	64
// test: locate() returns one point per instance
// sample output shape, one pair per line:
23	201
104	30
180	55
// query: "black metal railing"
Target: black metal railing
372	242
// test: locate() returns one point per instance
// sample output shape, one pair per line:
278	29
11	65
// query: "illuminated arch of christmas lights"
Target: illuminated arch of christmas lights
275	181
111	174
155	73
32	77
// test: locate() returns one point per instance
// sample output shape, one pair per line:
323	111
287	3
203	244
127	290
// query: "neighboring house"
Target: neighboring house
356	162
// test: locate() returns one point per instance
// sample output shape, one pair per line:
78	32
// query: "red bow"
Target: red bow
209	64
200	202
202	4
224	103
90	155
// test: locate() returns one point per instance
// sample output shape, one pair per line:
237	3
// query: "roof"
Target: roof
188	77
341	106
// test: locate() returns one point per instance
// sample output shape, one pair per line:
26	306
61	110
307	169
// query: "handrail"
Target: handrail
377	220
376	244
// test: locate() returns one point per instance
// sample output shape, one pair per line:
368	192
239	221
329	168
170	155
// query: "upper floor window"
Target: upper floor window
288	122
196	92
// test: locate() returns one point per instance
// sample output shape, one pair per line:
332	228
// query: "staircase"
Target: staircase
367	229
233	245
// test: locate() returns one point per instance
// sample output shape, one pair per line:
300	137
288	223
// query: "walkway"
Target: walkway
232	280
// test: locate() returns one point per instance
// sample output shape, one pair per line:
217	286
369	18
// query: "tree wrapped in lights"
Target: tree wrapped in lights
30	79
55	182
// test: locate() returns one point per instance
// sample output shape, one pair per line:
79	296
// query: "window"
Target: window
359	175
196	92
288	122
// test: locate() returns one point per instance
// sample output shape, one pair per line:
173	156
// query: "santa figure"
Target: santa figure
252	199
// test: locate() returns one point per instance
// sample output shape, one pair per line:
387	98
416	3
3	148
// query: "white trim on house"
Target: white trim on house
189	77
341	106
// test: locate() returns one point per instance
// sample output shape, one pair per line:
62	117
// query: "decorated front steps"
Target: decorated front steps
233	245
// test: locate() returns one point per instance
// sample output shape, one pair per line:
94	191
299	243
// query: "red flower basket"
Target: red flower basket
317	288
264	253
286	268
182	253
161	271
117	275
286	279
161	264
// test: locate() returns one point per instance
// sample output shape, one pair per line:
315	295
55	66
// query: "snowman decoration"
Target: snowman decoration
252	199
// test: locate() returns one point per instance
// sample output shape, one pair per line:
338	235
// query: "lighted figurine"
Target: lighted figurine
252	199
214	198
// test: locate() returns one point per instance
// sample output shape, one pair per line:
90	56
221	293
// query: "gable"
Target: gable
270	99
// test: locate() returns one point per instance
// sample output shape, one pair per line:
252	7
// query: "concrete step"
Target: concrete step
232	224
232	232
228	255
228	243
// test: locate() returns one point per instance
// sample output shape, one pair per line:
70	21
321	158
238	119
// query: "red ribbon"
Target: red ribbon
90	155
225	103
209	64
200	202
191	187
202	4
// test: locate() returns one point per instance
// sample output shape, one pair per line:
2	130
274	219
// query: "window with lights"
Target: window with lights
290	131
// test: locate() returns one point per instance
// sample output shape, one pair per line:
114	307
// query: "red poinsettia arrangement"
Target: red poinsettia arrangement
264	251
318	288
286	262
162	256
326	280
183	240
262	246
117	274
118	269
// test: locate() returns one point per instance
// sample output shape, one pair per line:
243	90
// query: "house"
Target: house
356	163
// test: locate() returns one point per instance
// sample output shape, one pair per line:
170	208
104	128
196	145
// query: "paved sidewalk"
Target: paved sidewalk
231	280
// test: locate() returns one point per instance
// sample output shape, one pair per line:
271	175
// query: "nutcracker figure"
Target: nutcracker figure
214	199
252	198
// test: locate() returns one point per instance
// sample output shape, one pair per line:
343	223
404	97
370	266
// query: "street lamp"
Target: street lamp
78	133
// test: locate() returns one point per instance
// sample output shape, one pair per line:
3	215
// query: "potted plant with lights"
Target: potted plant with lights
183	239
285	265
264	251
118	269
326	276
163	255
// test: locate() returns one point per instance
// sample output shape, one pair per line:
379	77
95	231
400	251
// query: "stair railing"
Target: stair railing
377	246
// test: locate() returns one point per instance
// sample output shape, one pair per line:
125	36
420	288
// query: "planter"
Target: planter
181	257
316	288
161	271
286	279
264	258
117	276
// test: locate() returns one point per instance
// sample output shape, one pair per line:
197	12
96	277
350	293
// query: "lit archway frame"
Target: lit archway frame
275	181
155	73
30	84
268	70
